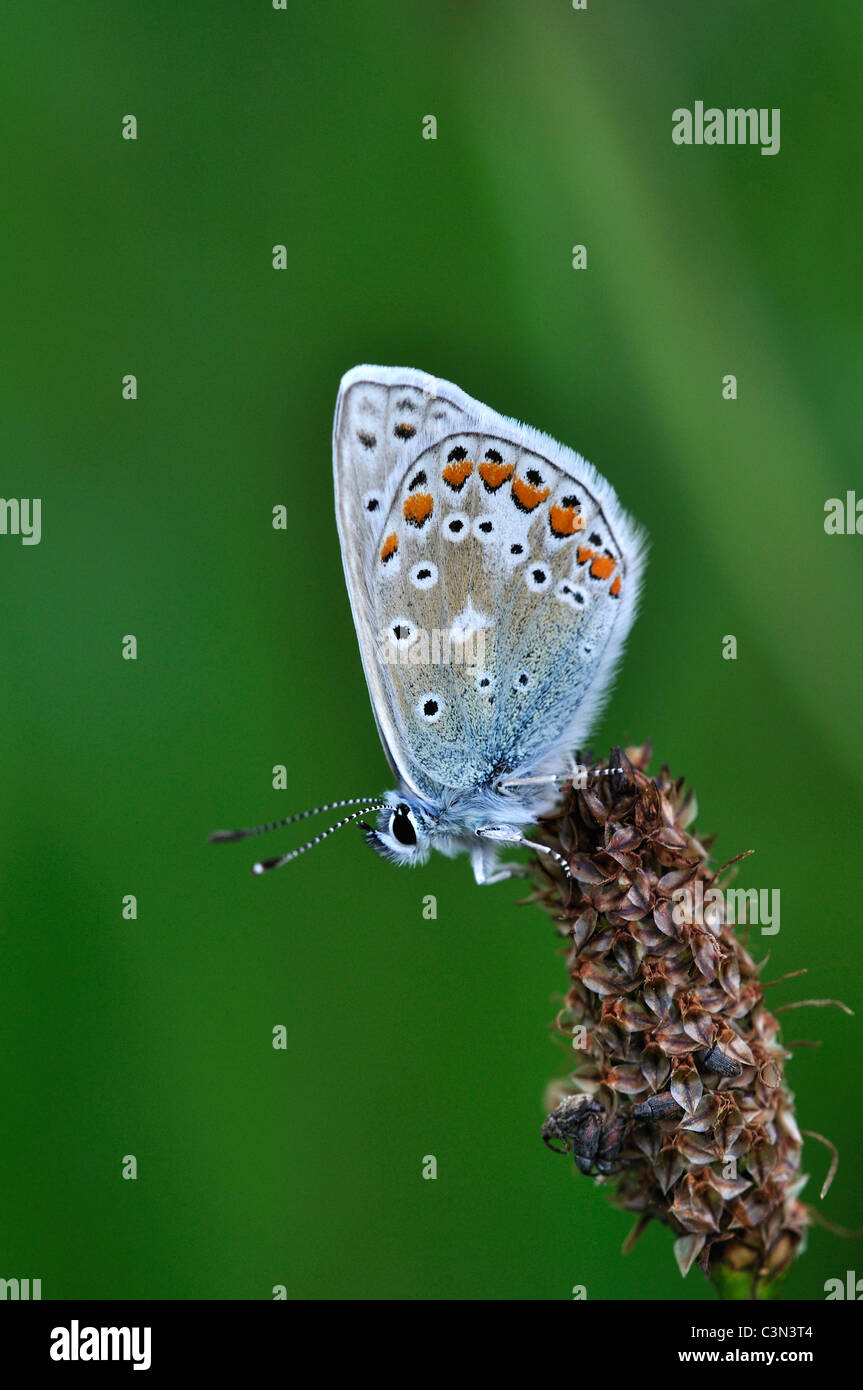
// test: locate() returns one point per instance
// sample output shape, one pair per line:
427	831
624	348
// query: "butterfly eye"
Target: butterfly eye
402	825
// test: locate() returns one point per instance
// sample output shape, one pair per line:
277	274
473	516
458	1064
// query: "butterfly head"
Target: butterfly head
404	831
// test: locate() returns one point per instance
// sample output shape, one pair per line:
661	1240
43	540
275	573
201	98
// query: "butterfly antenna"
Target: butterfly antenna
222	836
263	865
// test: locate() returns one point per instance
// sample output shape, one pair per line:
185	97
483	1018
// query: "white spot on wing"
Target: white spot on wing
469	620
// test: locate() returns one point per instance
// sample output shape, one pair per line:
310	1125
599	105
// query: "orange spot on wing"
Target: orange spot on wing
528	496
565	521
585	553
457	473
418	508
389	547
494	475
603	566
615	587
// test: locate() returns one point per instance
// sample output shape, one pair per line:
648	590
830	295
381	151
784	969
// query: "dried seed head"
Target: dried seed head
679	1086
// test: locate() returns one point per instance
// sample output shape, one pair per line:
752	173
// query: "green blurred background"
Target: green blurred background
405	1037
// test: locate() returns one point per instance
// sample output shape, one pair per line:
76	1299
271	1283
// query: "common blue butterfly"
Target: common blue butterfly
493	578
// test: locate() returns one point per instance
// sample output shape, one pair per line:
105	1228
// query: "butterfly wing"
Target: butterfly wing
381	414
499	591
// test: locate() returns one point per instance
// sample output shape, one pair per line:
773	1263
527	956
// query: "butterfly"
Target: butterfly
493	578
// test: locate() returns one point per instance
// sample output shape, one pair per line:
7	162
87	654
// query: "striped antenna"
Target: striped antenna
223	836
263	865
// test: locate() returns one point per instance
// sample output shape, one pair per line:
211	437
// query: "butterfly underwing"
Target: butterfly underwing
493	578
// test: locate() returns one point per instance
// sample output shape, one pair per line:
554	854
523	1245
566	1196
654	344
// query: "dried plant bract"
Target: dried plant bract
678	1101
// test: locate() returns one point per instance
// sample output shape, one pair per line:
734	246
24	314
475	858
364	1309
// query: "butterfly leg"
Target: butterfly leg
507	835
483	860
578	776
550	779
